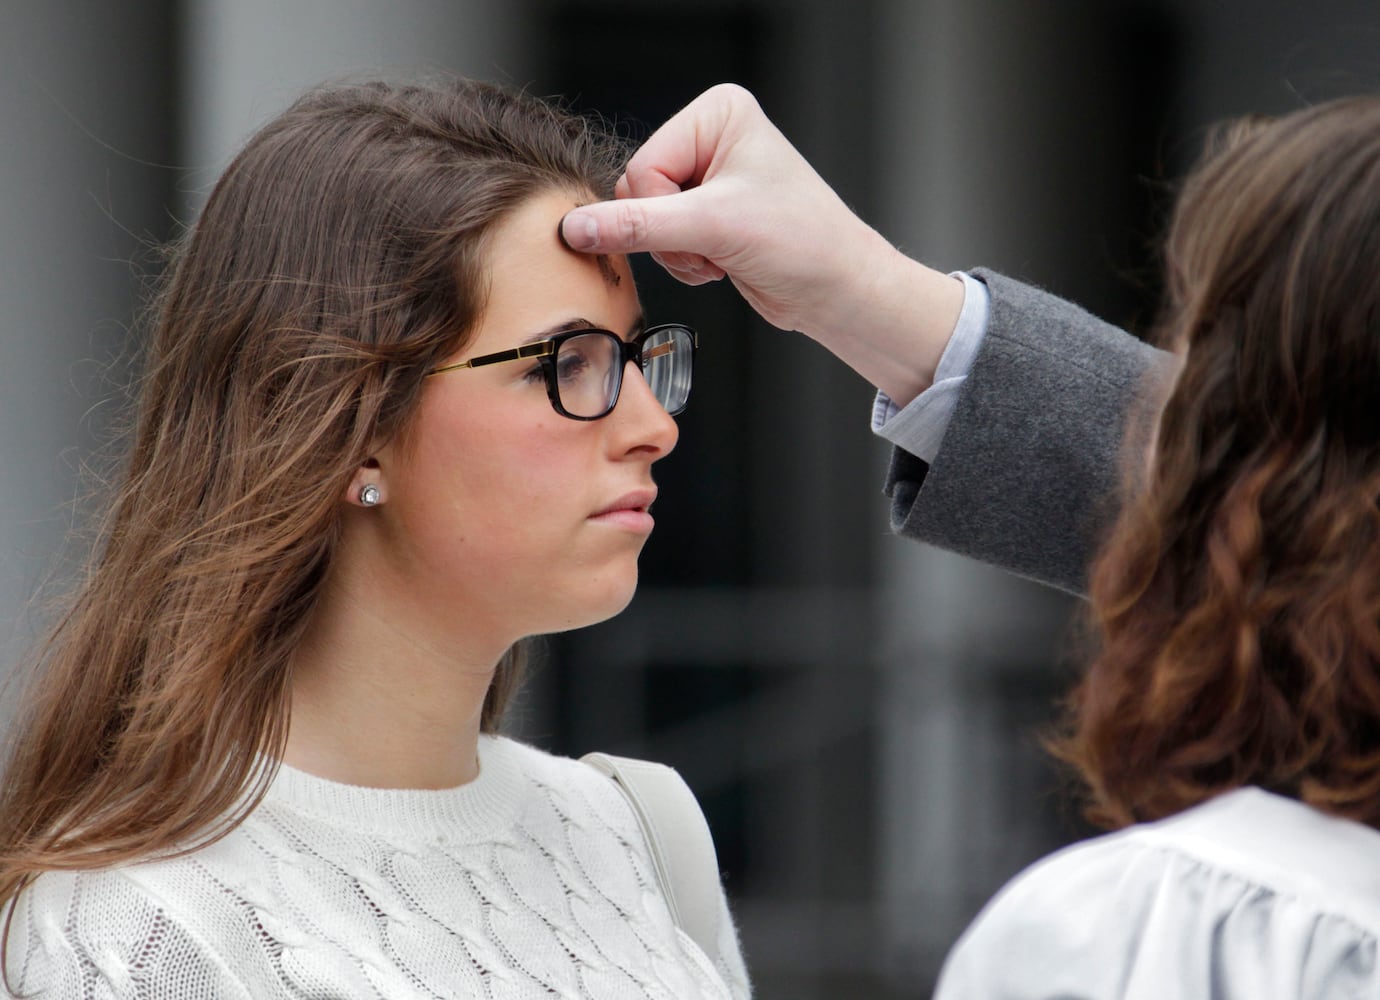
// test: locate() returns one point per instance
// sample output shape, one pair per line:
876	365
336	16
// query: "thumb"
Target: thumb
668	223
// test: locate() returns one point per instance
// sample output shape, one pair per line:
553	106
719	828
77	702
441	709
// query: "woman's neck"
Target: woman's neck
382	700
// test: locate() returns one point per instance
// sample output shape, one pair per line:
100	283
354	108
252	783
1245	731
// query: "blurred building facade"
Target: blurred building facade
858	715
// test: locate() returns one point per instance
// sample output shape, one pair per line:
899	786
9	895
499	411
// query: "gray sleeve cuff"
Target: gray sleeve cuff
1028	473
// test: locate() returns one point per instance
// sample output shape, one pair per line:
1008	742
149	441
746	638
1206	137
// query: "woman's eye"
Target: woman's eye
533	374
570	365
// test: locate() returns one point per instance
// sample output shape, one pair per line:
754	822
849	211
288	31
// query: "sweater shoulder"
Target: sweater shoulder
574	788
101	932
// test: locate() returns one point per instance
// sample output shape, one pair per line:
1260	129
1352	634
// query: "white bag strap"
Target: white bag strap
682	848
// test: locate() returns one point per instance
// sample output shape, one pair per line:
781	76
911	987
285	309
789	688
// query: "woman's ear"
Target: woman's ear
367	487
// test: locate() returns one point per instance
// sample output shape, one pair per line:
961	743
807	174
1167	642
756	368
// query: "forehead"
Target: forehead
535	282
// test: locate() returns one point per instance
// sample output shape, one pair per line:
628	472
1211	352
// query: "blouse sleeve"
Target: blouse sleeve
1122	919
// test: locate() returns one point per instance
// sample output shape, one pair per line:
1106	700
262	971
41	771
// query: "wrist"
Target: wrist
891	319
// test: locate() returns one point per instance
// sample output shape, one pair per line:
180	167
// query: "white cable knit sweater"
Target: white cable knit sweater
534	880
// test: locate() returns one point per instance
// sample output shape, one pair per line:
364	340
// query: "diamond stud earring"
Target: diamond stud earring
369	495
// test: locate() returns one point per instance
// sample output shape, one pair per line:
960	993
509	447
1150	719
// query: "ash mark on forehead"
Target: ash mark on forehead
611	277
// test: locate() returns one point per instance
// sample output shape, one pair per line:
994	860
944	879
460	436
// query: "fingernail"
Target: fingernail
579	231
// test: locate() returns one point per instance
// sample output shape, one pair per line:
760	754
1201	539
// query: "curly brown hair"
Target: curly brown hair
1236	604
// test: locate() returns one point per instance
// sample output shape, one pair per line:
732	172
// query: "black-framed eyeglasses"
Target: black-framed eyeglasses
583	369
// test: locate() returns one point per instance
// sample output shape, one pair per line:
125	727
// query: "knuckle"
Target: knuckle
632	223
737	96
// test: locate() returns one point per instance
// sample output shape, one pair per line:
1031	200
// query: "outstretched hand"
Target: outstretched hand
719	191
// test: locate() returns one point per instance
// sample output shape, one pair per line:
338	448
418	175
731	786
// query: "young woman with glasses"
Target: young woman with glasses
388	427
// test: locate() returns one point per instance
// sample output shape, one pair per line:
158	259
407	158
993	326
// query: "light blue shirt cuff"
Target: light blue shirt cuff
919	427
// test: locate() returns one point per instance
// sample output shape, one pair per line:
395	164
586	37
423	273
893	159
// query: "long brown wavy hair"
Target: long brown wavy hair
1236	603
341	256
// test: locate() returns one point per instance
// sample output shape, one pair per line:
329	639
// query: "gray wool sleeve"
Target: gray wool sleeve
1027	475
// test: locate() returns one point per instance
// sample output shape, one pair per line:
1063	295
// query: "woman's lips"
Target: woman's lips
630	512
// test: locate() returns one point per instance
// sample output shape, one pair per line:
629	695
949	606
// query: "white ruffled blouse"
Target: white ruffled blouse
1249	896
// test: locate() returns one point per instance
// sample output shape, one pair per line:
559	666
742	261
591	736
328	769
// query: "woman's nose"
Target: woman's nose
641	418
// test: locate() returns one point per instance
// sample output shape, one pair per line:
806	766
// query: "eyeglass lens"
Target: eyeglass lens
589	370
668	357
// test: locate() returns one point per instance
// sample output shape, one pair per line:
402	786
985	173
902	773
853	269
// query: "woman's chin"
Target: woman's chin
600	601
614	606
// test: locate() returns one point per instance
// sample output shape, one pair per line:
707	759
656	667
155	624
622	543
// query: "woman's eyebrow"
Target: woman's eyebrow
566	327
580	323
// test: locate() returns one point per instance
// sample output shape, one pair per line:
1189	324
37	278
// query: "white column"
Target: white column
248	59
964	98
81	167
